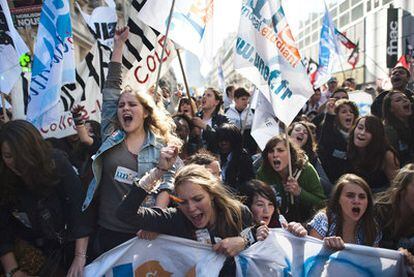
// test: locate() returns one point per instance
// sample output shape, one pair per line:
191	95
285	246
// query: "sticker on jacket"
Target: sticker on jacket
125	175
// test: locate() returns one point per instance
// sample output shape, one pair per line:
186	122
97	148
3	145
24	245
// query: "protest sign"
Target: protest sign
53	62
281	254
266	54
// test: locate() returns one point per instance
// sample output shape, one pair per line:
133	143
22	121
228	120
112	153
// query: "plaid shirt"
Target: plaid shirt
320	224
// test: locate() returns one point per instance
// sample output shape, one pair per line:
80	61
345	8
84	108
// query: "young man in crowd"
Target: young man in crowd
400	76
241	115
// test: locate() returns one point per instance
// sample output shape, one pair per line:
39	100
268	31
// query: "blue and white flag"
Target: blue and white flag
267	55
329	51
281	254
12	47
53	62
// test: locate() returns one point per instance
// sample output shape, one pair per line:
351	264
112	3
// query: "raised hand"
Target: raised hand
168	156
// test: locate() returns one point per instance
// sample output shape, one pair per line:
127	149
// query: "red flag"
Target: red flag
311	70
403	62
344	40
354	57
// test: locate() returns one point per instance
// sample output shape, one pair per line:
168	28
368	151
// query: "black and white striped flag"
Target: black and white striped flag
87	91
142	54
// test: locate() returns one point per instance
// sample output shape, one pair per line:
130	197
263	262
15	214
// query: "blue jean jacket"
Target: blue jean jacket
149	154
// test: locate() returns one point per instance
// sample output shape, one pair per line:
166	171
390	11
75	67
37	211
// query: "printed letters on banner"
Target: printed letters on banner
12	47
267	55
102	22
54	61
87	92
199	26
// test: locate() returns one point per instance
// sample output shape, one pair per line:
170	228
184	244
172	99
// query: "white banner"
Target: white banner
200	26
281	254
266	54
164	256
363	100
87	92
53	62
12	47
264	125
142	54
102	22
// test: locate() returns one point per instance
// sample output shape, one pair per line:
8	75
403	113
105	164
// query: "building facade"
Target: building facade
363	21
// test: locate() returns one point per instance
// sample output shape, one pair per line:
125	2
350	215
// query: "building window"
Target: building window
384	2
357	12
376	3
315	36
344	19
307	40
315	25
344	6
368	5
334	13
354	2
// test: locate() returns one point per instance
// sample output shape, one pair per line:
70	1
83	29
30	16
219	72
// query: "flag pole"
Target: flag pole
164	45
292	200
187	88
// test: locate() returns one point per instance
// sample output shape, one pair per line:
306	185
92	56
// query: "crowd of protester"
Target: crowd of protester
166	163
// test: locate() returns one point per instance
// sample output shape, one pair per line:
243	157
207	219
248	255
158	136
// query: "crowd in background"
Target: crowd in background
160	162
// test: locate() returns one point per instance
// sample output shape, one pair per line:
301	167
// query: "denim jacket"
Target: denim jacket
150	151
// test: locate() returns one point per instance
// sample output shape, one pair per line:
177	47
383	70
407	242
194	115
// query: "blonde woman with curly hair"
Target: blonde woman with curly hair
134	133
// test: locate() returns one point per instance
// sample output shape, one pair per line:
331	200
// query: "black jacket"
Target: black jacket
62	205
239	171
209	134
333	150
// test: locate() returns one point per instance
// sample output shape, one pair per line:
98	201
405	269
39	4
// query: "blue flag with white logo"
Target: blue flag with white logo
329	51
53	62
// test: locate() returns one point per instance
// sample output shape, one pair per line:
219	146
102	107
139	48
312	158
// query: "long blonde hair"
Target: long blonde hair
161	125
229	219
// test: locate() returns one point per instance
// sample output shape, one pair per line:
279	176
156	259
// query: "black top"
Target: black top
238	171
22	217
333	150
209	134
169	221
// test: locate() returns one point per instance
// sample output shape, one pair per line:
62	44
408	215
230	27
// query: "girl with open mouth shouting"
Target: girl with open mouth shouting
304	185
301	134
333	142
349	216
399	124
370	155
134	132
